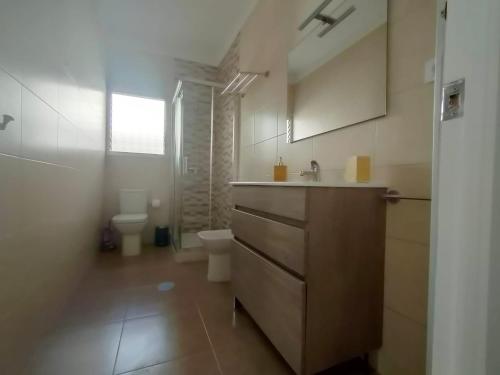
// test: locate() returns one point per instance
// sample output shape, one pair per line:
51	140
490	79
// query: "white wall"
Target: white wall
51	163
142	74
465	296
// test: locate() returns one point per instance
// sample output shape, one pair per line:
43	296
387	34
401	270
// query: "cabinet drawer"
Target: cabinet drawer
281	242
287	201
274	298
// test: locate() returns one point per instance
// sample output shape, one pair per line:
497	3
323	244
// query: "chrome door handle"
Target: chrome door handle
186	169
185	165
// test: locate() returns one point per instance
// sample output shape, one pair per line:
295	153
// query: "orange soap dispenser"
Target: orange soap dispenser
280	171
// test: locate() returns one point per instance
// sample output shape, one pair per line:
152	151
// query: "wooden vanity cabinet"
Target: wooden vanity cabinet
308	266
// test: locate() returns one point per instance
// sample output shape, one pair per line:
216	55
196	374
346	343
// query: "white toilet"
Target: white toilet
132	219
218	244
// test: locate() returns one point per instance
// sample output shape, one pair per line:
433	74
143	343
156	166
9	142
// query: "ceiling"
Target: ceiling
197	30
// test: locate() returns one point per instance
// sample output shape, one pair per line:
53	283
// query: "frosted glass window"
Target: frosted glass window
137	125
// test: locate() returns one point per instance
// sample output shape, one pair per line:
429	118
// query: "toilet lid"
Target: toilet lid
130	218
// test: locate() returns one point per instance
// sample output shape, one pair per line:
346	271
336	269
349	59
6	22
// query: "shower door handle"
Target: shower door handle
185	165
186	169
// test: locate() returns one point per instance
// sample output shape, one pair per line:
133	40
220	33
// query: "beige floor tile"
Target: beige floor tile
147	301
152	340
202	363
86	350
233	328
163	333
86	308
251	360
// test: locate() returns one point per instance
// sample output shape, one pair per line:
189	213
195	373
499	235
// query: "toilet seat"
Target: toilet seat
130	218
221	234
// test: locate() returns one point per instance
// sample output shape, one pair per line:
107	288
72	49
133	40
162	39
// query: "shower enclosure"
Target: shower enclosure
193	131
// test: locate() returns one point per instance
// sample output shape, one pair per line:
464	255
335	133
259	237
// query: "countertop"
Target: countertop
310	184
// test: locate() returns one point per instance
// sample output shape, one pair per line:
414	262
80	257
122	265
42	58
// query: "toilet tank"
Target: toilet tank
133	201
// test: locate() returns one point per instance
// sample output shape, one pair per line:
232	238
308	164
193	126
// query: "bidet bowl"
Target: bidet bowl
218	244
216	241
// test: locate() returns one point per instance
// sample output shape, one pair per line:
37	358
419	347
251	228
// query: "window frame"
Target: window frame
109	125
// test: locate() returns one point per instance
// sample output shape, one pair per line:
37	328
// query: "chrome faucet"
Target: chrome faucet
314	172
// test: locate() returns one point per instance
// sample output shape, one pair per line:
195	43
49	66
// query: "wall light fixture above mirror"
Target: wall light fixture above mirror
337	69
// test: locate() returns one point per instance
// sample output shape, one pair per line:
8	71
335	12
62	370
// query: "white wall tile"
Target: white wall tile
39	136
10	104
403	348
247	130
39	195
265	159
266	124
409	220
10	196
296	156
246	164
50	214
70	99
67	141
405	135
332	150
406	273
409	50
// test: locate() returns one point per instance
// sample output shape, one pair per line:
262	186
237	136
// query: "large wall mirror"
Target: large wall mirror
337	69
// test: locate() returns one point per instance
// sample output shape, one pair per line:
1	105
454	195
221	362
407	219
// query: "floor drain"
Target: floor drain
165	286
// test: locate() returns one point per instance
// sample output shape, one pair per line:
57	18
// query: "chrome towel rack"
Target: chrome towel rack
241	82
393	196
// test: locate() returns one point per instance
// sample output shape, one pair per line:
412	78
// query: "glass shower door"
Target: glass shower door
192	118
178	170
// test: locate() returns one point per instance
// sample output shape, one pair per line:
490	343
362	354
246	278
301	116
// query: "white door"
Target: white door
464	308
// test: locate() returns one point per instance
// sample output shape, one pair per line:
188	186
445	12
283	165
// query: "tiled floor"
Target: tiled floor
119	323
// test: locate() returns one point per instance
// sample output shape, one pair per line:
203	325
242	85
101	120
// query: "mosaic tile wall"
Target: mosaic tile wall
226	120
196	143
197	104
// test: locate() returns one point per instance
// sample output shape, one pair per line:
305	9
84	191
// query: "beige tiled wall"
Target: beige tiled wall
225	122
51	164
400	145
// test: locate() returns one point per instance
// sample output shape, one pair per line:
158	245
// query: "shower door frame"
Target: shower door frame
176	214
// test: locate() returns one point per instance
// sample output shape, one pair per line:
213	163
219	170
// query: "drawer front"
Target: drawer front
288	202
281	242
274	298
